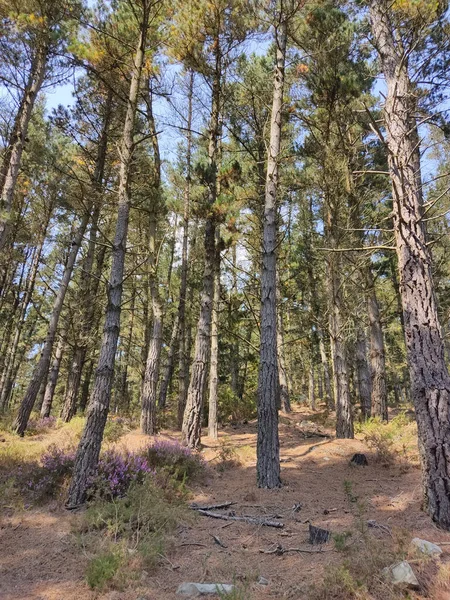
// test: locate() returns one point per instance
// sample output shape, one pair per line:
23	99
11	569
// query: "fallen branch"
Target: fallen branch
251	520
211	506
279	550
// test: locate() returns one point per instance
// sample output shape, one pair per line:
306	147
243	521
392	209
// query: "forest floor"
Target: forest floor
41	559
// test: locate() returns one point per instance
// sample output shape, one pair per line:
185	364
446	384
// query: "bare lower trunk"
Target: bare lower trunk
344	416
192	420
363	373
377	358
170	364
268	445
213	369
285	402
88	452
151	376
311	390
84	396
53	377
326	371
430	380
43	365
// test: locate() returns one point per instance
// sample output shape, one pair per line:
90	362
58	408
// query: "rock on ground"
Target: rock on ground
203	589
426	547
401	574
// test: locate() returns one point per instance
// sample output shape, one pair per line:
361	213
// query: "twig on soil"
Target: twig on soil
211	506
193	544
376	525
279	550
251	520
219	541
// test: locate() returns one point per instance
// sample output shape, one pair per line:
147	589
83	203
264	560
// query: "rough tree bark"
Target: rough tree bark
268	445
183	358
362	372
213	368
284	399
152	365
192	420
88	452
379	406
430	380
151	375
344	416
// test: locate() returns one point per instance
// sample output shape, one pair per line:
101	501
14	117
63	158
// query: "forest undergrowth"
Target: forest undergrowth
138	528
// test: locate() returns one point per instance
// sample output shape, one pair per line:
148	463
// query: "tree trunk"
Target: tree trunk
213	369
430	380
326	371
170	364
344	416
89	285
192	419
151	376
53	377
43	365
268	445
377	356
88	452
285	401
362	372
13	156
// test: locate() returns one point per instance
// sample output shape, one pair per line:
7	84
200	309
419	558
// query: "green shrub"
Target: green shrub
114	430
102	569
391	439
234	409
144	519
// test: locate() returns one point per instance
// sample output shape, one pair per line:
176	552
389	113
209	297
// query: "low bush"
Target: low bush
114	429
176	460
38	426
393	440
117	471
137	527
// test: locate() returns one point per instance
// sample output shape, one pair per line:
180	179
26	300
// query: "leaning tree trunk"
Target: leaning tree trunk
43	365
89	284
53	377
192	419
268	445
88	452
430	380
13	156
213	369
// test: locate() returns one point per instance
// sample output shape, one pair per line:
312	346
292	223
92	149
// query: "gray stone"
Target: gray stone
401	574
203	589
426	547
263	581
